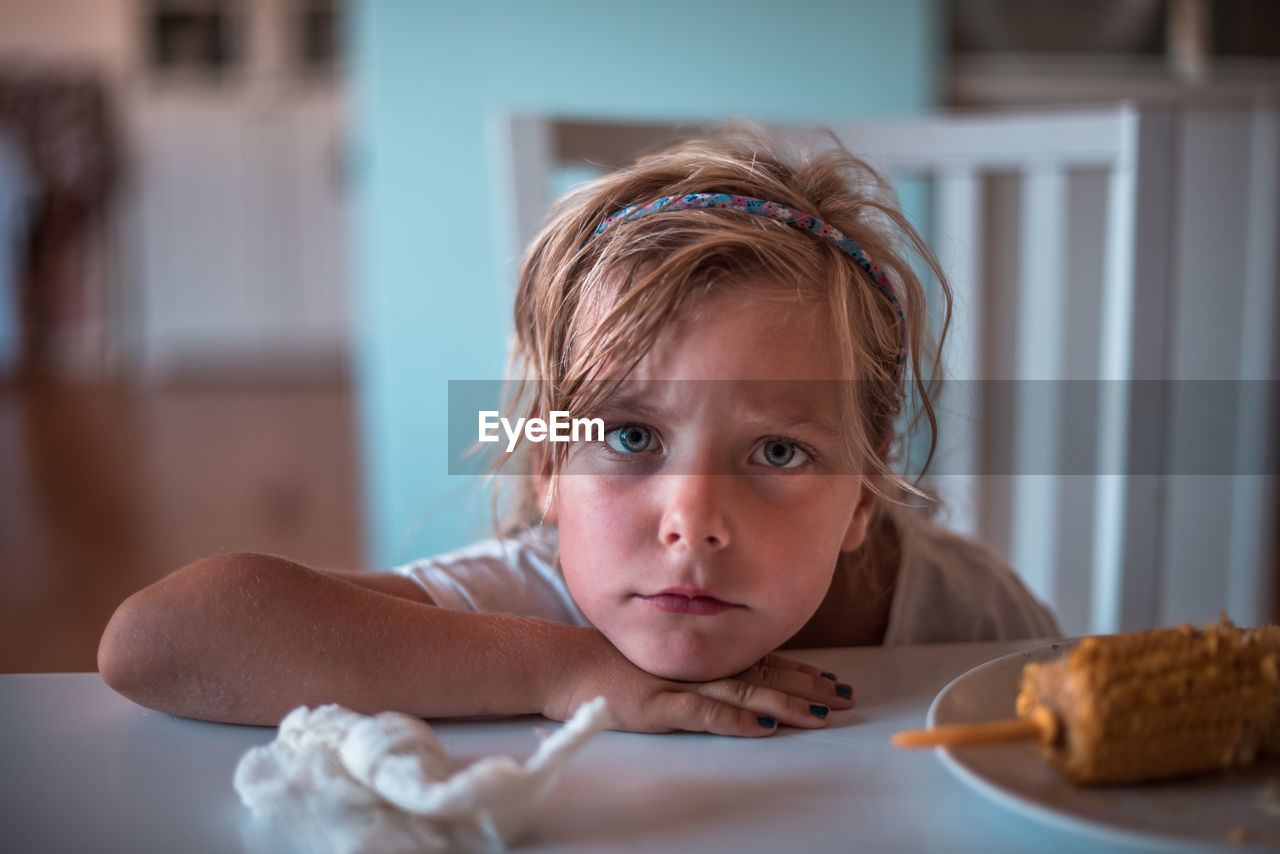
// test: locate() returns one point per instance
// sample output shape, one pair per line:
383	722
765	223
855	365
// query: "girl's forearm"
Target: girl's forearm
246	638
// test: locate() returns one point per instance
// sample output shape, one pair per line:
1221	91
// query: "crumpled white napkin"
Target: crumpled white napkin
347	782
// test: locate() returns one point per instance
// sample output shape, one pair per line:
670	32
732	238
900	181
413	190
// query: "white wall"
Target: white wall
229	244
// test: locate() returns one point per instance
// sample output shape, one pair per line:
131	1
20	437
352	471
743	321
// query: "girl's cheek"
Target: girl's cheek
604	507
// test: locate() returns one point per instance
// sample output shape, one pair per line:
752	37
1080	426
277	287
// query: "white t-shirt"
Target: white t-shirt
953	588
948	588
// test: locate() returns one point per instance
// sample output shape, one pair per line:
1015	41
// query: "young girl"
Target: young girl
746	327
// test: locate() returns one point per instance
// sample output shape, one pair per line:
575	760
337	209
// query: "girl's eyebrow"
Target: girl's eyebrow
791	421
631	404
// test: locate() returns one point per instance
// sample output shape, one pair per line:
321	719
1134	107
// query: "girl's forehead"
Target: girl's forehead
742	335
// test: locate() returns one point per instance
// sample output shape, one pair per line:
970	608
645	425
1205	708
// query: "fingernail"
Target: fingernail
830	676
845	691
819	711
766	722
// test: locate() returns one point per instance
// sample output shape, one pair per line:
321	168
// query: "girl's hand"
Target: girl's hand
755	702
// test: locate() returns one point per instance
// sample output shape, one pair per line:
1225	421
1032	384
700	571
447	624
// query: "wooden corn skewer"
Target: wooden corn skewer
1039	727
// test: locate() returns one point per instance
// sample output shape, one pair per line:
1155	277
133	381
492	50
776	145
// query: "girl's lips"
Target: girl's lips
681	603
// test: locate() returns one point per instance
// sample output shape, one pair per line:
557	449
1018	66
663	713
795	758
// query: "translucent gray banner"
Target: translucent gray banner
1156	427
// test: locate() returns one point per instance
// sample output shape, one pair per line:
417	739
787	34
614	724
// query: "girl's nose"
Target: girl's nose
693	515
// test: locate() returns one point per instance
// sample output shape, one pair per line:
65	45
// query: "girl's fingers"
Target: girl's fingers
799	679
783	662
694	712
776	706
775	692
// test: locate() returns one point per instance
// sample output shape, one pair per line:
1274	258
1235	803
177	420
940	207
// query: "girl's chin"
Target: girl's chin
690	665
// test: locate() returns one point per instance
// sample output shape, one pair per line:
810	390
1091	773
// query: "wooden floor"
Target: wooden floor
103	490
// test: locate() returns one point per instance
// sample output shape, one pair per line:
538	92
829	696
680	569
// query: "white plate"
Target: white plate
1233	810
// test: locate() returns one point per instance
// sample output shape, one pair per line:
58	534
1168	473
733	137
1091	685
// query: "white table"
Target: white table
82	769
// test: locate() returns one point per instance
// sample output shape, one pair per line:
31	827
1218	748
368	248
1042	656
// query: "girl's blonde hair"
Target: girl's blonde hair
590	305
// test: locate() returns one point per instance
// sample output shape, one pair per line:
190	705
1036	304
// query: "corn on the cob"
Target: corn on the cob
1269	638
1143	706
1156	704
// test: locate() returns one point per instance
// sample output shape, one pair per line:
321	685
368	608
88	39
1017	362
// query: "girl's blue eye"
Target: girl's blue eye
779	454
630	439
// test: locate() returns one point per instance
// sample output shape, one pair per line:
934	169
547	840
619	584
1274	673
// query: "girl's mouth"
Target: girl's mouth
695	604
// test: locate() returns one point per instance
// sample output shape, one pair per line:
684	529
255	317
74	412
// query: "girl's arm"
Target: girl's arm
245	638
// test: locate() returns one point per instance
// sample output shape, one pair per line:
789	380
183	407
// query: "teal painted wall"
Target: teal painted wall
431	80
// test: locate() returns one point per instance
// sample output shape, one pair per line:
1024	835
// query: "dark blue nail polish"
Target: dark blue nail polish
830	676
845	691
819	711
766	722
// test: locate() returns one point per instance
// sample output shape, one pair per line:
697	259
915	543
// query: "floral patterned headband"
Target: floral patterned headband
779	213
